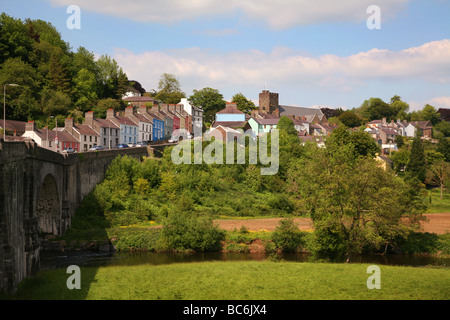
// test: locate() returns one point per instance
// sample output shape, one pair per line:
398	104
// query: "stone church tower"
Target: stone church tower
268	103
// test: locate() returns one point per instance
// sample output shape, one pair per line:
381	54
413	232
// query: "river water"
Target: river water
53	260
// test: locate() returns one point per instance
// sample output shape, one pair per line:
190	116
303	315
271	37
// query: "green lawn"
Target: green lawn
438	205
241	280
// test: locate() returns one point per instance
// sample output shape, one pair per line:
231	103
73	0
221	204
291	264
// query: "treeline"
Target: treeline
54	80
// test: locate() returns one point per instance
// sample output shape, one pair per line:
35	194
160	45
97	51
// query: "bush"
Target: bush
287	237
131	239
184	231
418	242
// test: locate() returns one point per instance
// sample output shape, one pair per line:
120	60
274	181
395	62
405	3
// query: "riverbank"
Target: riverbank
258	280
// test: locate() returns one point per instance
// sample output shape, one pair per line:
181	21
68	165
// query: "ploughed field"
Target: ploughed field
437	223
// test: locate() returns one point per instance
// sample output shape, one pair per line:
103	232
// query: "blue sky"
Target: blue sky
313	53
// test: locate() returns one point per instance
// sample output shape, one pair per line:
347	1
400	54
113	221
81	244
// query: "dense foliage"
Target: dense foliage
53	79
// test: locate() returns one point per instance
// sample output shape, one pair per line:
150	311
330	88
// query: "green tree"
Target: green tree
356	206
438	174
400	159
286	124
103	105
375	109
211	100
169	89
361	142
444	128
21	102
85	91
399	141
57	75
287	236
350	119
243	103
417	161
14	39
444	148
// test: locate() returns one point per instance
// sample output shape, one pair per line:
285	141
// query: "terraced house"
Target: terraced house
128	129
108	131
86	136
144	124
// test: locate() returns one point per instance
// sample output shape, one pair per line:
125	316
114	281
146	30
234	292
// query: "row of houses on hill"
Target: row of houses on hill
134	124
386	133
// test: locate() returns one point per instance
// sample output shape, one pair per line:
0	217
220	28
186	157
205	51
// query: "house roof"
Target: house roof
126	121
230	109
271	121
298	111
422	124
85	130
13	125
154	115
106	123
139	99
51	134
229	124
388	130
142	118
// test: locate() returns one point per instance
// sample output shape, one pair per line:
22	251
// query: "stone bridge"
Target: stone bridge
39	193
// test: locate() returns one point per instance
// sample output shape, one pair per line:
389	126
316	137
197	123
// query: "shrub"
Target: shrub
131	239
184	231
287	237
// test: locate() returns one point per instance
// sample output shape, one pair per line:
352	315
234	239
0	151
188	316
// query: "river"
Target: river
53	260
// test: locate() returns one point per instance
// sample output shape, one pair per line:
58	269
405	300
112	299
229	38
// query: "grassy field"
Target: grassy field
436	204
261	280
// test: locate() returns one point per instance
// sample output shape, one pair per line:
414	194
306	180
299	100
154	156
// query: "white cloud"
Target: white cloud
197	68
440	102
278	14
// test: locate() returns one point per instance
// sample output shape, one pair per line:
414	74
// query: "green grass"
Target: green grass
437	204
261	280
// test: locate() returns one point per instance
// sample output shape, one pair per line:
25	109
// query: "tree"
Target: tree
444	148
356	206
444	128
350	119
169	89
85	91
286	124
430	113
359	141
399	141
438	174
103	105
400	159
375	109
417	160
211	100
243	103
57	75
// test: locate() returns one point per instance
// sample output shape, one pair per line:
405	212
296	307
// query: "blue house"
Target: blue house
158	126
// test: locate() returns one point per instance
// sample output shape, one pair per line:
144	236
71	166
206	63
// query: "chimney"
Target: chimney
143	109
89	118
383	121
164	107
171	107
110	114
68	125
129	112
30	126
155	109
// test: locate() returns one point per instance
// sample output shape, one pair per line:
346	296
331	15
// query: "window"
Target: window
104	141
129	139
95	139
90	138
134	130
84	138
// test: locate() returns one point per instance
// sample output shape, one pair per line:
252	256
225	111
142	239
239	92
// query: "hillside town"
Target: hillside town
145	121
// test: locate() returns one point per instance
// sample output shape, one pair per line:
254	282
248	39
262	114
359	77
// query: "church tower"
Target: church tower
268	103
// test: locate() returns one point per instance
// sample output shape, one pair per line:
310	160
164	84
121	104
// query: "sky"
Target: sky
312	52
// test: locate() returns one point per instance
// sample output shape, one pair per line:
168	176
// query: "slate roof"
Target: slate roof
298	111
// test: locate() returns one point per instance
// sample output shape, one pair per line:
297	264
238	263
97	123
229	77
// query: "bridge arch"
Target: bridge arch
48	208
